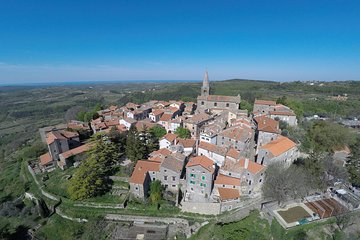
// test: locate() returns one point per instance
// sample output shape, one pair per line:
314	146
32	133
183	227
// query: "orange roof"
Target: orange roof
226	180
112	122
228	194
76	151
237	133
157	112
233	153
279	146
166	117
213	148
45	159
140	170
170	137
252	166
282	113
61	135
266	124
203	161
163	151
265	102
157	158
187	143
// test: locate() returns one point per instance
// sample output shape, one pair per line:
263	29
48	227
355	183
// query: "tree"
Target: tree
328	137
158	131
353	163
282	183
156	190
245	105
91	178
183	132
135	148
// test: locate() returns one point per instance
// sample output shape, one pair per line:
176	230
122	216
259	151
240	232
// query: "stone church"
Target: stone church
215	102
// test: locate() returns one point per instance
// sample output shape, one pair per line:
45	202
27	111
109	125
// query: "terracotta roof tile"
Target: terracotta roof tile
233	153
266	124
265	102
203	161
166	117
187	143
140	170
45	159
228	194
157	112
76	151
226	180
279	146
213	148
237	133
252	166
170	137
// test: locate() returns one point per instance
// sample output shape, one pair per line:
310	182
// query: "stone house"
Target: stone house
127	122
168	140
156	115
61	141
263	106
45	130
144	173
98	125
267	130
196	122
165	120
288	117
200	173
175	124
171	171
66	158
46	162
237	137
281	149
215	153
249	173
189	146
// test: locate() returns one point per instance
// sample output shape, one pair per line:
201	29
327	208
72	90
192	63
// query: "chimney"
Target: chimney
246	163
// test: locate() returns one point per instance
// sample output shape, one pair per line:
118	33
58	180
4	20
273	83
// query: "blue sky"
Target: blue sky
52	41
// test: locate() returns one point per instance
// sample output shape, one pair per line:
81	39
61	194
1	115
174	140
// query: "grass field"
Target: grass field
294	214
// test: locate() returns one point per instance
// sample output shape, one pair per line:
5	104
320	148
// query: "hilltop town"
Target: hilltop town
185	166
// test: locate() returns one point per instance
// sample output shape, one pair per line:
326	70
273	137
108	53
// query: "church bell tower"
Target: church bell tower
205	89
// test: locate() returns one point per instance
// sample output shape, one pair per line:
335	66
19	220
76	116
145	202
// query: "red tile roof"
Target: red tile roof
170	137
166	117
265	102
187	143
213	148
203	161
266	124
226	180
279	146
233	153
252	166
45	159
228	194
75	151
140	170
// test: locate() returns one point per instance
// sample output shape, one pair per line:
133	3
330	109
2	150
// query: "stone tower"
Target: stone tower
205	89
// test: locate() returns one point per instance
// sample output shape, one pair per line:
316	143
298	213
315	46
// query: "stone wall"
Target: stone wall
201	208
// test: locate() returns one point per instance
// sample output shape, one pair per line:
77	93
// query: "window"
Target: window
173	178
165	178
173	186
136	188
215	104
202	103
249	192
229	173
262	174
192	182
227	105
153	179
223	185
164	171
204	184
203	177
192	175
260	180
249	182
192	189
233	186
